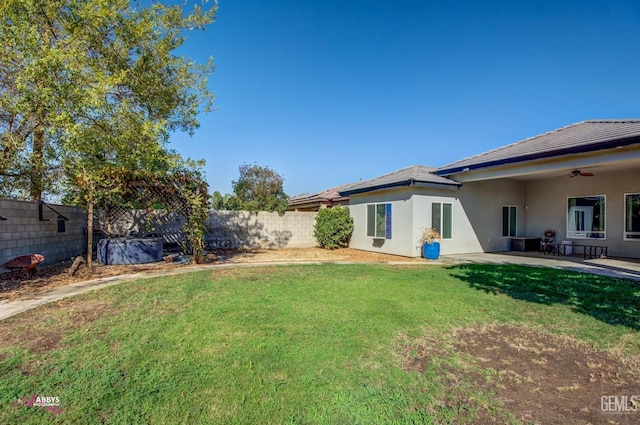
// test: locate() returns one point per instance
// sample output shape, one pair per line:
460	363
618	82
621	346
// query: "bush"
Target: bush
333	227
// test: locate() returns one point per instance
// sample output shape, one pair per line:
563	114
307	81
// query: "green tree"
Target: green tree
91	85
223	202
260	189
29	95
91	89
333	227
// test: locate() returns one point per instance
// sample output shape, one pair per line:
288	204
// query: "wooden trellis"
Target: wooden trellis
151	194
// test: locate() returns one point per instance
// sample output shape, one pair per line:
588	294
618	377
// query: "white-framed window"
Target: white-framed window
442	218
586	217
632	216
379	221
509	221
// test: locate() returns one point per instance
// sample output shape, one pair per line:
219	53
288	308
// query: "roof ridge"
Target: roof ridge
415	166
320	192
611	120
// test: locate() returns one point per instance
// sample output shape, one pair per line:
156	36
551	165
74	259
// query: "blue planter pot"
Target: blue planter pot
431	251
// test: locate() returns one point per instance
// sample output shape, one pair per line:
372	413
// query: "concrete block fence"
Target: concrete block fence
269	230
23	233
224	229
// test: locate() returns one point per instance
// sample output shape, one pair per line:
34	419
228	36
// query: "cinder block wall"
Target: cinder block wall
23	232
242	229
225	229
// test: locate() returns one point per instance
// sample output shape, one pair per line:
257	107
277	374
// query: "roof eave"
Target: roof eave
433	185
609	144
405	183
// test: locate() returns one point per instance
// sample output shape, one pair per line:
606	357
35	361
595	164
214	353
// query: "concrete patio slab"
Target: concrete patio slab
617	268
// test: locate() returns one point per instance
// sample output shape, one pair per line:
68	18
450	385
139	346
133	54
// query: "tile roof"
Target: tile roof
404	177
584	136
325	195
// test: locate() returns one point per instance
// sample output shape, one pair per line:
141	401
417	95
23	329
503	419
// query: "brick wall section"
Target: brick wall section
23	232
241	229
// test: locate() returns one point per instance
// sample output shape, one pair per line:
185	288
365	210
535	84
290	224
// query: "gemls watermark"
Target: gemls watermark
620	403
51	404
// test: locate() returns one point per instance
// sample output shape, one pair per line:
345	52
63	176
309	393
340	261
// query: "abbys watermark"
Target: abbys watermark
51	404
620	404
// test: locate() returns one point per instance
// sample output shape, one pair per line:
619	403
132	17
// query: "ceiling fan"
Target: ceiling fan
576	173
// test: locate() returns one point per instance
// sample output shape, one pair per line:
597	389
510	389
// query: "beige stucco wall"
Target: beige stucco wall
477	213
463	238
476	217
547	206
402	230
482	204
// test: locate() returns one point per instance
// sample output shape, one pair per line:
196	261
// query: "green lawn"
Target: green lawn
295	345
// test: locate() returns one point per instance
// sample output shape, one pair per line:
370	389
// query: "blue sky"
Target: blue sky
329	92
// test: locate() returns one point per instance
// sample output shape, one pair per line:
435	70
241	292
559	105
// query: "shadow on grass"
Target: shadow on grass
613	301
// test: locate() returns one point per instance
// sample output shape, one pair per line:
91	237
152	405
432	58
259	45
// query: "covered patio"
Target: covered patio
582	182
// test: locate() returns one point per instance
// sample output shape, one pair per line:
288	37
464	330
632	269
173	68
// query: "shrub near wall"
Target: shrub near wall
334	227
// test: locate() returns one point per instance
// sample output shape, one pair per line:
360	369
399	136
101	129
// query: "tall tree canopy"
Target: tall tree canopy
259	189
91	86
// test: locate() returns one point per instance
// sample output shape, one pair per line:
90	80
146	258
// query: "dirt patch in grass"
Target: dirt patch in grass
54	320
539	377
16	284
308	254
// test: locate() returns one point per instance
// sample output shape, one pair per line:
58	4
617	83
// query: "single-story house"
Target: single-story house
315	201
581	181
